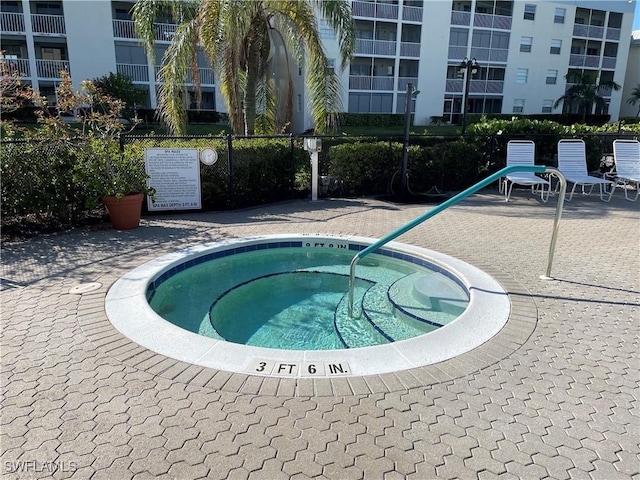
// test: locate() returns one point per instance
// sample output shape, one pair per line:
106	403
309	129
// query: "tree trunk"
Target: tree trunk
253	57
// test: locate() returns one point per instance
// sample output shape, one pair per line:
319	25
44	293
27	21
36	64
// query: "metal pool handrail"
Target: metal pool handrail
457	198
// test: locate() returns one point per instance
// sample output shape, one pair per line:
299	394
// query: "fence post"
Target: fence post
292	177
231	200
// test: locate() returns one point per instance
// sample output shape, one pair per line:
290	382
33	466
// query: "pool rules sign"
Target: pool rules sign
175	174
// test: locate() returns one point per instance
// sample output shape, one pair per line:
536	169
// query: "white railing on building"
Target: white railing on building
164	32
12	22
485	20
364	46
375	47
48	24
51	68
19	66
460	18
410	49
362	82
386	10
609	62
457	52
588	31
124	29
613	33
137	73
404	81
454	85
489	54
412	14
207	78
363	9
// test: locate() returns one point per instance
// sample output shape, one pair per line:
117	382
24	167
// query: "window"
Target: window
518	105
556	46
529	12
525	44
481	39
458	38
522	75
299	103
325	30
500	40
552	77
547	106
559	15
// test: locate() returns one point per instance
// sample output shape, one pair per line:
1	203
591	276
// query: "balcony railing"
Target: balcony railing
501	22
584	61
613	33
137	73
475	86
124	29
164	32
374	10
206	76
490	54
48	24
457	52
410	49
404	81
412	14
461	18
589	31
19	66
51	68
375	47
609	63
361	82
12	22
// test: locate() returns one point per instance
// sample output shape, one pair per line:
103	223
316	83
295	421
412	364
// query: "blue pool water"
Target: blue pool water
295	297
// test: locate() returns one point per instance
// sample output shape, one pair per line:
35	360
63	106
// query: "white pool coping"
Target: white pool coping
128	310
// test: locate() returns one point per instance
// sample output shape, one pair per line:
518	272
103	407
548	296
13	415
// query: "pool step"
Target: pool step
433	299
388	319
356	331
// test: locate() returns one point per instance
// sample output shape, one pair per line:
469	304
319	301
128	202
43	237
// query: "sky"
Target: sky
636	17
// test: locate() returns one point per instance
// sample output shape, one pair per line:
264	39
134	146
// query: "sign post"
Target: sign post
313	146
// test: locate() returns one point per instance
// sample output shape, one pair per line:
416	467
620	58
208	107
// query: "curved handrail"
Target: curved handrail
452	201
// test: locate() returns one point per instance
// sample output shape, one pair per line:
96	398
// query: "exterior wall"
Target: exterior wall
632	78
89	38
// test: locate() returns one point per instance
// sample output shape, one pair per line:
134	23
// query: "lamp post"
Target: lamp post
410	95
468	68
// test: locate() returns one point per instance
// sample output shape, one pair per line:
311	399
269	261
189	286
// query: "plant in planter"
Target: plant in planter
91	120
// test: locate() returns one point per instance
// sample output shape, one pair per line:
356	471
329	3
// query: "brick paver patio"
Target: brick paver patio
561	401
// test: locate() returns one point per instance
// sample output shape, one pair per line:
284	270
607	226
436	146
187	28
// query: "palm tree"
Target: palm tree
585	93
242	40
635	98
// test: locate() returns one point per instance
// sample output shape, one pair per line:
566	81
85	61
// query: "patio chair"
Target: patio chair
626	157
572	163
522	152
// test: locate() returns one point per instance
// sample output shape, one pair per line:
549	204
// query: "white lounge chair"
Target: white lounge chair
572	163
626	156
523	152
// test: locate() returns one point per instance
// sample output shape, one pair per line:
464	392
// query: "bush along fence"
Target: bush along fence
42	178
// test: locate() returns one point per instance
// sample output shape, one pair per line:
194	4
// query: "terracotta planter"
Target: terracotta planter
125	213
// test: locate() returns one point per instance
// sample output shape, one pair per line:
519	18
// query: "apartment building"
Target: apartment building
516	52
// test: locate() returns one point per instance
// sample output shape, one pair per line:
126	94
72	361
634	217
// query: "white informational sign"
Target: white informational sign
175	174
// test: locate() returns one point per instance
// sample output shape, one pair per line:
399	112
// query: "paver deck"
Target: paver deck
554	396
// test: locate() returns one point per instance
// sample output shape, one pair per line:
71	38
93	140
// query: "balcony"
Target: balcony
489	54
137	73
48	24
206	76
12	22
50	69
588	31
375	10
360	82
375	47
475	86
404	81
592	61
124	29
457	52
410	49
412	14
613	33
609	63
164	32
19	66
461	18
484	20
